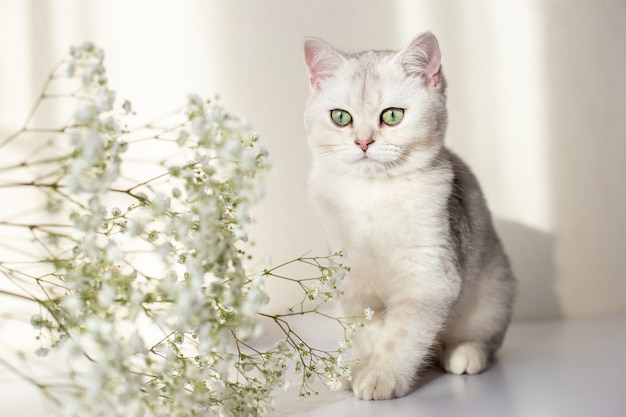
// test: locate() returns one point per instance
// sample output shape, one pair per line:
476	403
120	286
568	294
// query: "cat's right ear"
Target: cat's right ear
322	60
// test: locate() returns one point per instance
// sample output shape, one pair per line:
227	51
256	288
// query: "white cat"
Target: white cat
419	237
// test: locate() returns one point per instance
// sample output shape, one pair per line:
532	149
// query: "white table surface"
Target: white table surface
544	369
574	368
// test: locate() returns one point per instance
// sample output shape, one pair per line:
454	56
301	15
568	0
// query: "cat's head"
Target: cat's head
375	113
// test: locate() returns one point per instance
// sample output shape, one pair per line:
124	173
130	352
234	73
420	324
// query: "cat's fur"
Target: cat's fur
419	238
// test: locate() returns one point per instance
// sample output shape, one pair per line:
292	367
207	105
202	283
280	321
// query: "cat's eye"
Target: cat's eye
392	116
340	117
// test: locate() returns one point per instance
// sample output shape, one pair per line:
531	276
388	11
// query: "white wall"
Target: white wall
537	99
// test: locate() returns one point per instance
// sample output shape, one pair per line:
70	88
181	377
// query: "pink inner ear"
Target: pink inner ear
423	58
321	59
436	78
309	58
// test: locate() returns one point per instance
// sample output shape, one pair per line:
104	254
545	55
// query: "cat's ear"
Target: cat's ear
322	60
422	58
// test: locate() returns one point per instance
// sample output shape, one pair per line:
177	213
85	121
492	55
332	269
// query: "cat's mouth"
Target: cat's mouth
370	163
365	158
371	158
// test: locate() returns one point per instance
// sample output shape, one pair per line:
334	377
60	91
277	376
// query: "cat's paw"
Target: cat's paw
379	384
465	358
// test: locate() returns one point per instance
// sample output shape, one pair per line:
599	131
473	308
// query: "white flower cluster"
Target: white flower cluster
313	363
94	133
148	294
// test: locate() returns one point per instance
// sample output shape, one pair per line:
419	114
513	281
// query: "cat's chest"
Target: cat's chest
373	213
382	202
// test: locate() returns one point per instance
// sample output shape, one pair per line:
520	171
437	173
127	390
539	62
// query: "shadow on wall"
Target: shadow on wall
532	256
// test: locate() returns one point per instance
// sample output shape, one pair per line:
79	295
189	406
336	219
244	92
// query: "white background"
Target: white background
537	106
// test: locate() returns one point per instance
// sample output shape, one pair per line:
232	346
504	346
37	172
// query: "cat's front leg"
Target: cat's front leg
404	343
411	323
364	345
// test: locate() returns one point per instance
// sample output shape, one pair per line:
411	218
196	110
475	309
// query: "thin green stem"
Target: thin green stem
40	386
35	106
20	296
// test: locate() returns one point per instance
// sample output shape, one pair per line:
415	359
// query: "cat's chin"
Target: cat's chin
361	167
385	160
372	167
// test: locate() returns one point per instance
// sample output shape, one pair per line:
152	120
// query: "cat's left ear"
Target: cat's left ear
322	60
422	58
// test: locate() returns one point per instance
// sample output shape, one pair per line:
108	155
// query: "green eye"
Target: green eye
392	116
340	117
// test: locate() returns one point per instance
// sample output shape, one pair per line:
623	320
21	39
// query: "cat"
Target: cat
419	238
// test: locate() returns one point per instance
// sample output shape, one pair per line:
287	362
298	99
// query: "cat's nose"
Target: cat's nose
364	143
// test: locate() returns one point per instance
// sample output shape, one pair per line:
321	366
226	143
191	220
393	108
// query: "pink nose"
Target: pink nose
364	143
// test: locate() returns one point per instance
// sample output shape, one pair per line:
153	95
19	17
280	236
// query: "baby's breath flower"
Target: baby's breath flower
147	290
343	345
104	99
127	107
333	383
282	346
42	352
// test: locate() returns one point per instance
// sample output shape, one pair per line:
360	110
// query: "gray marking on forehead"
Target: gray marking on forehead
367	77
